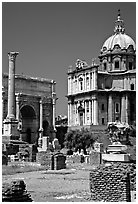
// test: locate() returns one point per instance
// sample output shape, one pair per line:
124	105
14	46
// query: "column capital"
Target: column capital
12	55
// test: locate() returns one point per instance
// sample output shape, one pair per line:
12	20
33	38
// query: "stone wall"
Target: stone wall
113	183
44	158
15	192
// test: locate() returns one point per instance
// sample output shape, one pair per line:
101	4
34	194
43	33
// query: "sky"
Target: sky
51	36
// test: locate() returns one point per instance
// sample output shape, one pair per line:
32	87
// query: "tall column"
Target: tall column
85	112
110	111
54	108
127	109
123	109
11	85
90	112
89	80
68	115
95	111
41	123
17	106
10	123
95	79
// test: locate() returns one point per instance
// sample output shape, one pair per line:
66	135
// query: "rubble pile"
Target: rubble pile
15	192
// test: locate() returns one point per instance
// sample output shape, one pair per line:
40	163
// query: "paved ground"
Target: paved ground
67	185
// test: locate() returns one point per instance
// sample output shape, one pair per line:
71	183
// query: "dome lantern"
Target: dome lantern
119	24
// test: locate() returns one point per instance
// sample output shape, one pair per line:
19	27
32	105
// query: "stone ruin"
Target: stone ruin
49	155
15	192
113	183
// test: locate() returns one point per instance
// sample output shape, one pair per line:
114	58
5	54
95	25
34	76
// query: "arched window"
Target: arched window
117	64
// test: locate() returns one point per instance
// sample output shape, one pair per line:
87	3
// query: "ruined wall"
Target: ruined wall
113	183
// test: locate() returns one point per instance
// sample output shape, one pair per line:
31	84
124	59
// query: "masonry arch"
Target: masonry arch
29	124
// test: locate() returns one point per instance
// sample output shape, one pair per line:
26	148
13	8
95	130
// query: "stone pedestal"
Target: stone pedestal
45	144
10	130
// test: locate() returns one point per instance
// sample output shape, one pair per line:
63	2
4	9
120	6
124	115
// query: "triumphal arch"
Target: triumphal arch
29	103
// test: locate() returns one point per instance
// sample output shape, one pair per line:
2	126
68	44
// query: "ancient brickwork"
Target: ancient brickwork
113	183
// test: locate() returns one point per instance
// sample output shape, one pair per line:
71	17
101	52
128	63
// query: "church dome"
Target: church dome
119	38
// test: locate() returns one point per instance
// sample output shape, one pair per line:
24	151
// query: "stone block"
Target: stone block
116	157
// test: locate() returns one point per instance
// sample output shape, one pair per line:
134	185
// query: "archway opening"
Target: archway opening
29	124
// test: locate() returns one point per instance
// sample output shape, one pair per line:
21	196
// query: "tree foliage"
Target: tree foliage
79	139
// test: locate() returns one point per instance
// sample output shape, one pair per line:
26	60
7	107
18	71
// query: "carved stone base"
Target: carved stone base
10	130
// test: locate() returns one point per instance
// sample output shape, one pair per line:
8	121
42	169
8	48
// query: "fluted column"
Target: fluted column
95	78
11	85
95	112
127	109
85	112
68	114
92	111
89	80
17	106
89	112
41	123
110	111
123	109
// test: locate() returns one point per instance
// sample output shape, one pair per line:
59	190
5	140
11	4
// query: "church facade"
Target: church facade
104	92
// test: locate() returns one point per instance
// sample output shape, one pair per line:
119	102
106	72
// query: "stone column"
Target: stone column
89	112
110	110
54	109
89	80
17	106
11	85
68	85
68	114
85	113
41	123
123	109
95	111
127	109
95	79
92	111
10	123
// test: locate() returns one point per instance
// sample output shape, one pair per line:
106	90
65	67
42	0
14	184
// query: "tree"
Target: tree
79	139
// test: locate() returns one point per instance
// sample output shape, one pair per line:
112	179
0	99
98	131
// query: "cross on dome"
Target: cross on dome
119	24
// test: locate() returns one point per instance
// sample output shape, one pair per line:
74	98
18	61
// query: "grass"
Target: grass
20	168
